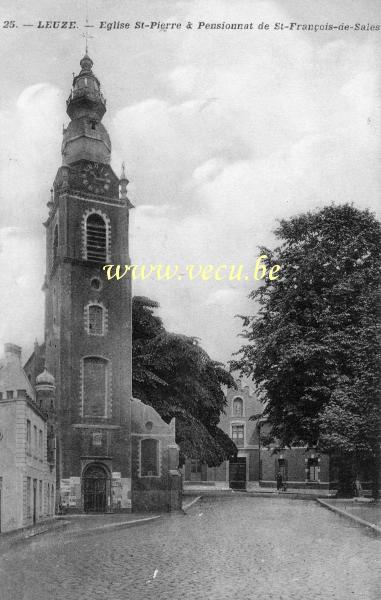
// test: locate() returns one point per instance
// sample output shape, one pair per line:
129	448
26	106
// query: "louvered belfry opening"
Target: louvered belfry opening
96	238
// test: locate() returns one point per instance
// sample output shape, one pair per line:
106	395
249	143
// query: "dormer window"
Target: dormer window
238	407
93	124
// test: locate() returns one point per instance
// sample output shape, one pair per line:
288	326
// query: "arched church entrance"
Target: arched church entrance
96	488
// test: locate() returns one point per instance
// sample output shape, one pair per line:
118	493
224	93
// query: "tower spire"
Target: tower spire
86	137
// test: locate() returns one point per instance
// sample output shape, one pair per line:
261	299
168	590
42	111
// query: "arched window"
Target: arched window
95	319
95	386
55	243
149	458
238	407
96	238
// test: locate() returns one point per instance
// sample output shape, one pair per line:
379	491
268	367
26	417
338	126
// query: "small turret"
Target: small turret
45	398
45	392
45	378
123	182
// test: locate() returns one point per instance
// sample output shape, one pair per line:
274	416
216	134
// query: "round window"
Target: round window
149	425
95	283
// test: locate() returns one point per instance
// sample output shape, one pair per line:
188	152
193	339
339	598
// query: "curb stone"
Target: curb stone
112	526
123	523
78	532
33	530
59	525
186	506
347	515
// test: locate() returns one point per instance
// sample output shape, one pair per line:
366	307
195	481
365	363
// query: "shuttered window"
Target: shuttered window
96	238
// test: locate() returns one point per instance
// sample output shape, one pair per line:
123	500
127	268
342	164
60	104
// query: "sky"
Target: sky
222	132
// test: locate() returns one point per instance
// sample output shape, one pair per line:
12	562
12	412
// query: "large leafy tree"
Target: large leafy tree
313	347
176	376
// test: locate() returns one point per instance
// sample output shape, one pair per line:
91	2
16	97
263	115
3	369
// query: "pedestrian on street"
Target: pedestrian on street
279	481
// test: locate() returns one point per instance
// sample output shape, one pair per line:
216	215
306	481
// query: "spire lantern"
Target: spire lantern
86	97
86	137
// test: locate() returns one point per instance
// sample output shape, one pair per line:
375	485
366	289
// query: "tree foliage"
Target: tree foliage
313	347
172	373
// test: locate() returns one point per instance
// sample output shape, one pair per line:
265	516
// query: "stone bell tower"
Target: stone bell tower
87	318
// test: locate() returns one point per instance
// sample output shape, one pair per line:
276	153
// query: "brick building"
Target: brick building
88	330
257	465
243	472
27	445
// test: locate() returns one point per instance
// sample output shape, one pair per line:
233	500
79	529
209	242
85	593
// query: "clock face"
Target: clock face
96	178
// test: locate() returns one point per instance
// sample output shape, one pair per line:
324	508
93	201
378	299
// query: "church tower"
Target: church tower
87	318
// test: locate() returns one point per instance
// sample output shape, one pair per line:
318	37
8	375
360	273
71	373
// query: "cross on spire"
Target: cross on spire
87	37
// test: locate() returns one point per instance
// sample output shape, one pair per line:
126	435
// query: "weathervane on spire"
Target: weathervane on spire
86	35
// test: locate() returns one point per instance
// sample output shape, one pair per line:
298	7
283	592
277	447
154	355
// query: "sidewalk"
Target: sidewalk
76	524
263	492
367	514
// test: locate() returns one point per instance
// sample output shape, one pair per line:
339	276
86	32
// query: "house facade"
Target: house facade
242	472
27	446
257	464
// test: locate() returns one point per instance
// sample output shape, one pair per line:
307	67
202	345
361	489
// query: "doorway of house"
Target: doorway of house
237	473
198	471
96	488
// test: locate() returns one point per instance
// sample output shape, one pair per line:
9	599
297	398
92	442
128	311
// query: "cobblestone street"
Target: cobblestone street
227	548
